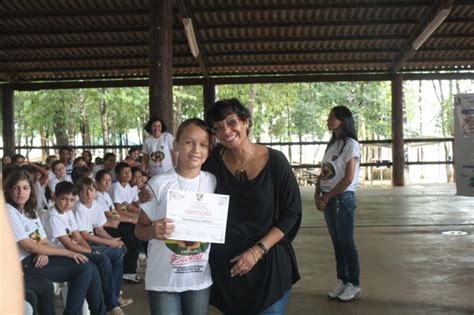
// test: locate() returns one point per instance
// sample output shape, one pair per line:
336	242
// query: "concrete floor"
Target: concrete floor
407	266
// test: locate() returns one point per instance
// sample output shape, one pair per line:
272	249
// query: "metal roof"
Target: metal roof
92	39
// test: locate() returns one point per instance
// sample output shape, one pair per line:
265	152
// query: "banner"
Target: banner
464	143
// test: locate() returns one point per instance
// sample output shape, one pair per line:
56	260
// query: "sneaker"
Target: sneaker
124	302
351	293
131	278
340	286
116	311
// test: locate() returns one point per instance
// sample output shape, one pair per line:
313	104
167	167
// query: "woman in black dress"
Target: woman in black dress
253	272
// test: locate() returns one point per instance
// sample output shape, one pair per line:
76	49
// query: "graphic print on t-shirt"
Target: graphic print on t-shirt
158	156
35	235
327	171
186	248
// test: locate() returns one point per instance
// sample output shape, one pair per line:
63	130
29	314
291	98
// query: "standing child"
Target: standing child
90	222
158	156
125	198
39	258
63	233
171	291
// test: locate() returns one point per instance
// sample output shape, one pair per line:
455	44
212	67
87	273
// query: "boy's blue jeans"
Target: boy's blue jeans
177	303
339	215
107	278
111	269
279	307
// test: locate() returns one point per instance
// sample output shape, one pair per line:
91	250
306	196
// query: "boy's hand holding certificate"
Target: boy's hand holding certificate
199	217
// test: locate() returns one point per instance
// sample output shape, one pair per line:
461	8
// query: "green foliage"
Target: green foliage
280	111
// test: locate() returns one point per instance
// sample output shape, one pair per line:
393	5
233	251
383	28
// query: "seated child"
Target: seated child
126	203
62	231
59	170
90	222
103	179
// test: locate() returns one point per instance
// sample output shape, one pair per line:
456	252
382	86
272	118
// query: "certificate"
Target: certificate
198	217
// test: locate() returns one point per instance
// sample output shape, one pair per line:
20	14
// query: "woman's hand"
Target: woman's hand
161	229
244	262
40	261
79	258
320	202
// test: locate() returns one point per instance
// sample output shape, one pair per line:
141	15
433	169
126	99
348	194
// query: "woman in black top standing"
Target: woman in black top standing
254	270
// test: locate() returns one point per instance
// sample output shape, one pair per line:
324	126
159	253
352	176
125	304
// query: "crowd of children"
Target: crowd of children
69	228
75	221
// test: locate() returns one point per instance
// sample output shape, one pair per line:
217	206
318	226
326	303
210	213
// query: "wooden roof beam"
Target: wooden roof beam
194	40
429	25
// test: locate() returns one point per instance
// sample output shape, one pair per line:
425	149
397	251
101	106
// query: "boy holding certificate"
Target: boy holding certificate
178	276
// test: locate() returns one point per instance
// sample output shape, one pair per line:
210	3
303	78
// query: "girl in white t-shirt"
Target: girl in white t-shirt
39	258
334	196
178	276
158	156
103	179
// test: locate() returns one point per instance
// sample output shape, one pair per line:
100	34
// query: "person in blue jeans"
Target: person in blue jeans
63	232
38	258
334	195
178	276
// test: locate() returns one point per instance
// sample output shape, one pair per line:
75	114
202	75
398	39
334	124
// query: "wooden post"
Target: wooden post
398	157
161	60
209	93
8	121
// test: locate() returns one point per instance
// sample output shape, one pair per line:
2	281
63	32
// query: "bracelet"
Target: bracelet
263	248
254	254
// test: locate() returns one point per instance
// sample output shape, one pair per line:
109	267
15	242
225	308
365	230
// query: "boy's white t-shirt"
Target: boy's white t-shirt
24	228
104	201
333	166
122	194
60	224
54	181
159	150
89	218
40	195
175	266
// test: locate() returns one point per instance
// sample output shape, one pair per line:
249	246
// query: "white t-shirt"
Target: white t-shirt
89	218
159	150
24	228
60	224
40	195
333	166
122	194
104	202
54	181
176	266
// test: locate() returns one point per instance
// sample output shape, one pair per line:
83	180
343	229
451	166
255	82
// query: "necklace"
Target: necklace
240	174
181	186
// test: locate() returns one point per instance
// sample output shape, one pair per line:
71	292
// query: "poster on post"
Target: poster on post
464	143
